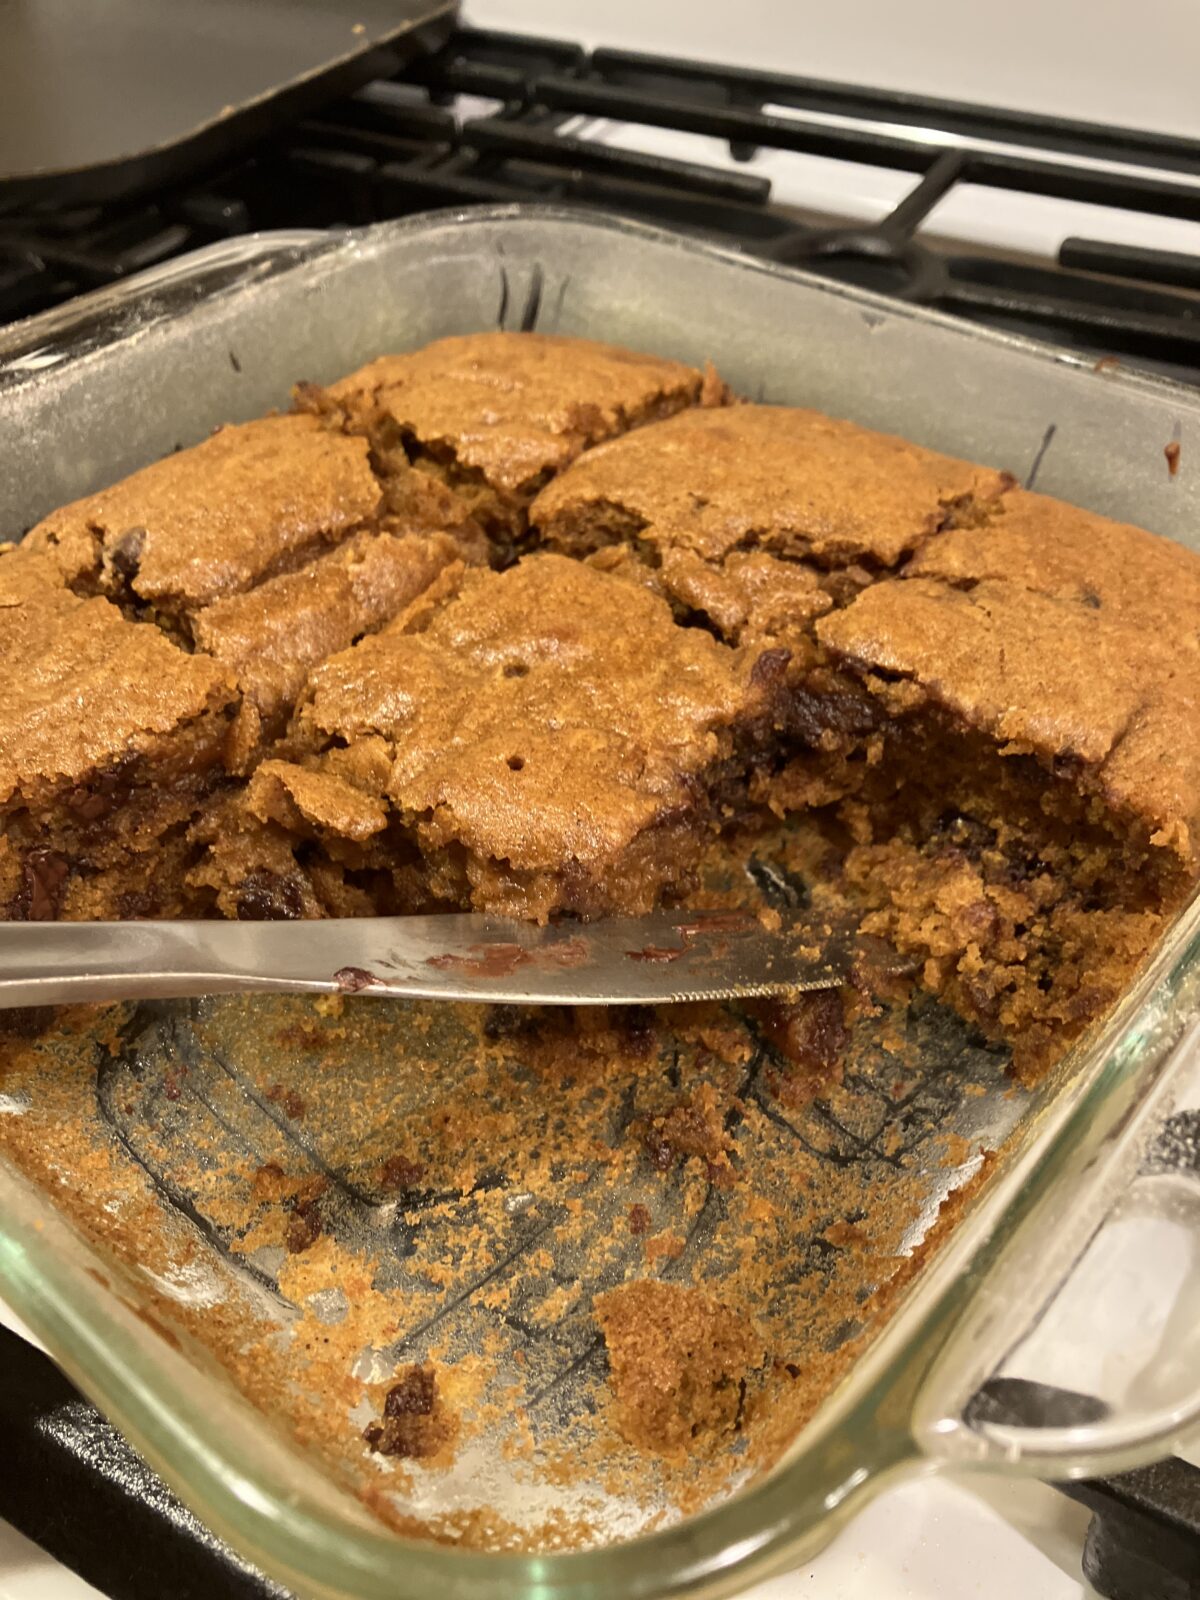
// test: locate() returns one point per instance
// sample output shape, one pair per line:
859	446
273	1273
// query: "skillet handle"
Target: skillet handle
1105	1373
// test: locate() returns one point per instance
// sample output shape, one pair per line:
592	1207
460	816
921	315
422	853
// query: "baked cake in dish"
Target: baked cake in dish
526	624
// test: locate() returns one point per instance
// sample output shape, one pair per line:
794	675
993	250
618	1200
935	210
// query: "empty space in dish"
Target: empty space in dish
323	1193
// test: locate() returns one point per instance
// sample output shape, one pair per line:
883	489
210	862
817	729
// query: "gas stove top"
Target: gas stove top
1078	232
888	197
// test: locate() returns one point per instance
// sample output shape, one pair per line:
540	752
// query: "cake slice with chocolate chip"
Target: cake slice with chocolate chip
110	738
251	501
268	546
1032	816
492	416
546	739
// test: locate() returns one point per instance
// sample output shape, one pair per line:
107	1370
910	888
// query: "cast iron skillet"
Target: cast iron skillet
100	101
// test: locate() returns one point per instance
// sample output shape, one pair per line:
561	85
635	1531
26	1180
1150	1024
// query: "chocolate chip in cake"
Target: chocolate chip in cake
769	667
267	897
809	1032
125	553
293	1103
93	800
132	905
398	1172
413	1396
44	876
26	1022
692	1127
304	1226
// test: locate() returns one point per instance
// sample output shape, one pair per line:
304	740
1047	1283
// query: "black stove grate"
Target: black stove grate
498	117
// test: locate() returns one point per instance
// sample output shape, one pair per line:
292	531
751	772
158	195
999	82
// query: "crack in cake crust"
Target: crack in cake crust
549	737
770	478
273	635
492	417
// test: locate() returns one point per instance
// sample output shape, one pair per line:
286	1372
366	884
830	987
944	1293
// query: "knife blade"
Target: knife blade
657	959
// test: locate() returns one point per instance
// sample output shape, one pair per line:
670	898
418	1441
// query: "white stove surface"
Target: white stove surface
929	1539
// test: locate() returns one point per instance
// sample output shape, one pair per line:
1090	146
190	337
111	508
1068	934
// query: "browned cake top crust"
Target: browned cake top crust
1082	689
272	635
512	407
543	715
83	689
215	519
773	478
1057	549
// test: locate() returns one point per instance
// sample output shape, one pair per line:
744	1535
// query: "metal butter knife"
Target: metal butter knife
668	956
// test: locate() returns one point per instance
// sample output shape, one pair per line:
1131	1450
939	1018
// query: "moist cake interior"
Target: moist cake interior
528	625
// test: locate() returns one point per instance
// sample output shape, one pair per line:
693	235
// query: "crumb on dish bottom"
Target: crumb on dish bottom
680	1362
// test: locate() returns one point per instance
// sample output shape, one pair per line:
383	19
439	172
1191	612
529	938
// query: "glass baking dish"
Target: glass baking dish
1015	1269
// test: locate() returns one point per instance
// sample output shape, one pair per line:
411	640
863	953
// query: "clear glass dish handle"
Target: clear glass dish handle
1081	1355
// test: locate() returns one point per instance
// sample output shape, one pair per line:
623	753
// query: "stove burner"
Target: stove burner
70	1483
1144	1536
